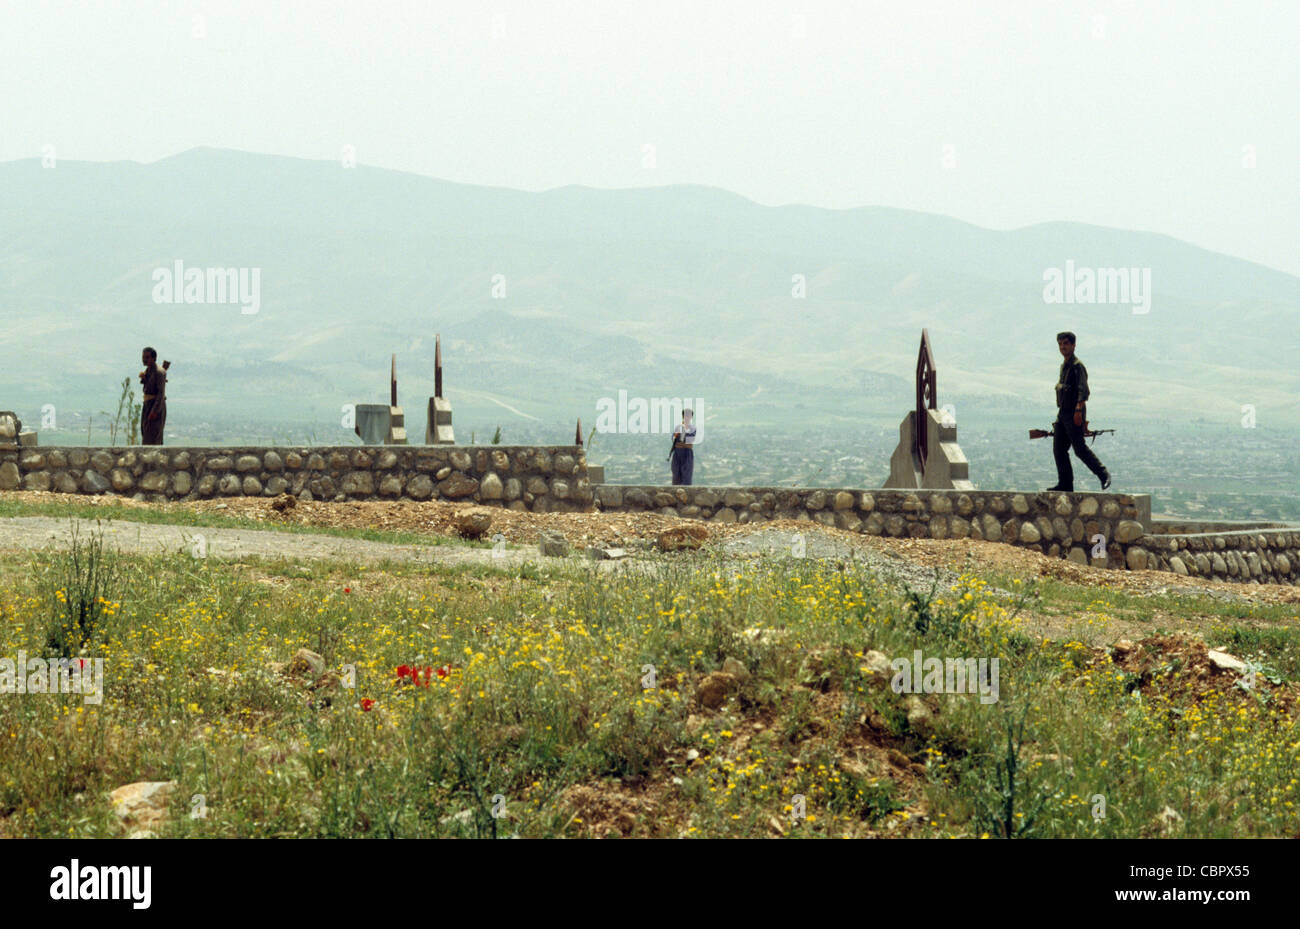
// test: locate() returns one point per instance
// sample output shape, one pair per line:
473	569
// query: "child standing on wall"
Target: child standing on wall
683	453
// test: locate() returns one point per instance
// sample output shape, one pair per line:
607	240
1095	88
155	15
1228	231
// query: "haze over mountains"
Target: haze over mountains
666	291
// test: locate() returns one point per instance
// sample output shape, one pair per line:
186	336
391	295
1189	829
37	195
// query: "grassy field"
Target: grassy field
698	697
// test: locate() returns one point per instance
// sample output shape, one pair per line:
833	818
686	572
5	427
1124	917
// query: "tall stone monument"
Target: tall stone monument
928	455
396	418
438	431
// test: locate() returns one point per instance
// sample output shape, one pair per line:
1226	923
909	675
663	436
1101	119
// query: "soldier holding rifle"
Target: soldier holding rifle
1071	426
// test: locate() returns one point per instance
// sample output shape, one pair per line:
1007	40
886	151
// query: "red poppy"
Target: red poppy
405	671
444	670
366	704
347	590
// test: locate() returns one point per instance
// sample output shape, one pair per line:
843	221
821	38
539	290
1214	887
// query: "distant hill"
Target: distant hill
660	291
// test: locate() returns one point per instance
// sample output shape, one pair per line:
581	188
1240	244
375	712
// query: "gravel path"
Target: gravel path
46	532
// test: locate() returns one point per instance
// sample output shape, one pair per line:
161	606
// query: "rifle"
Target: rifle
1087	433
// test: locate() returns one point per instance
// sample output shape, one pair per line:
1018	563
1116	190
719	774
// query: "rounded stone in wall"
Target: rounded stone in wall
1136	558
964	505
1110	509
1129	530
10	477
847	519
293	461
1019	505
940	503
560	489
79	457
181	483
491	488
959	528
251	486
514	490
895	525
65	483
1063	506
875	524
1011	531
997	504
207	484
92	482
154	482
57	459
564	464
358	483
691	511
990	528
31	461
229	485
1076	529
101	462
248	463
1029	533
1045	528
867	503
419	487
386	460
272	461
390	485
315	462
1077	555
1282	563
938	527
816	500
725	515
122	479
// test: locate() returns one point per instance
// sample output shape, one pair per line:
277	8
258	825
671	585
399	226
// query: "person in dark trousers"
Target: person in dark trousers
1071	417
153	414
683	453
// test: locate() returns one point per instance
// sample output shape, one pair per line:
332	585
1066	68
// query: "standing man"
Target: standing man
1072	418
683	453
153	414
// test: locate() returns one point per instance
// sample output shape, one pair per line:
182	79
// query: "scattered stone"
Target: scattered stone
473	524
305	663
553	545
735	669
143	804
1222	661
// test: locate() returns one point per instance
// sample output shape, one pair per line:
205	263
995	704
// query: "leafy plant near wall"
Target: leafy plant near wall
127	419
496	436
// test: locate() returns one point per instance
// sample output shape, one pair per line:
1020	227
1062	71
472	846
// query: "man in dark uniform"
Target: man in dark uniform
1071	415
153	414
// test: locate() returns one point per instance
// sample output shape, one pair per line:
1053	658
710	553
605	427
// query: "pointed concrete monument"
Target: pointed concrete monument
396	418
438	431
928	455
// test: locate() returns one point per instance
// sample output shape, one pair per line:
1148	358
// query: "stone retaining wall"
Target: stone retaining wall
1262	556
521	477
1118	527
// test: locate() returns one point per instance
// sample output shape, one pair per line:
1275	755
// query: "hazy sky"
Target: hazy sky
1178	117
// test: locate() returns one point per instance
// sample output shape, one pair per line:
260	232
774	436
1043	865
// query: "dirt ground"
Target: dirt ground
633	530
